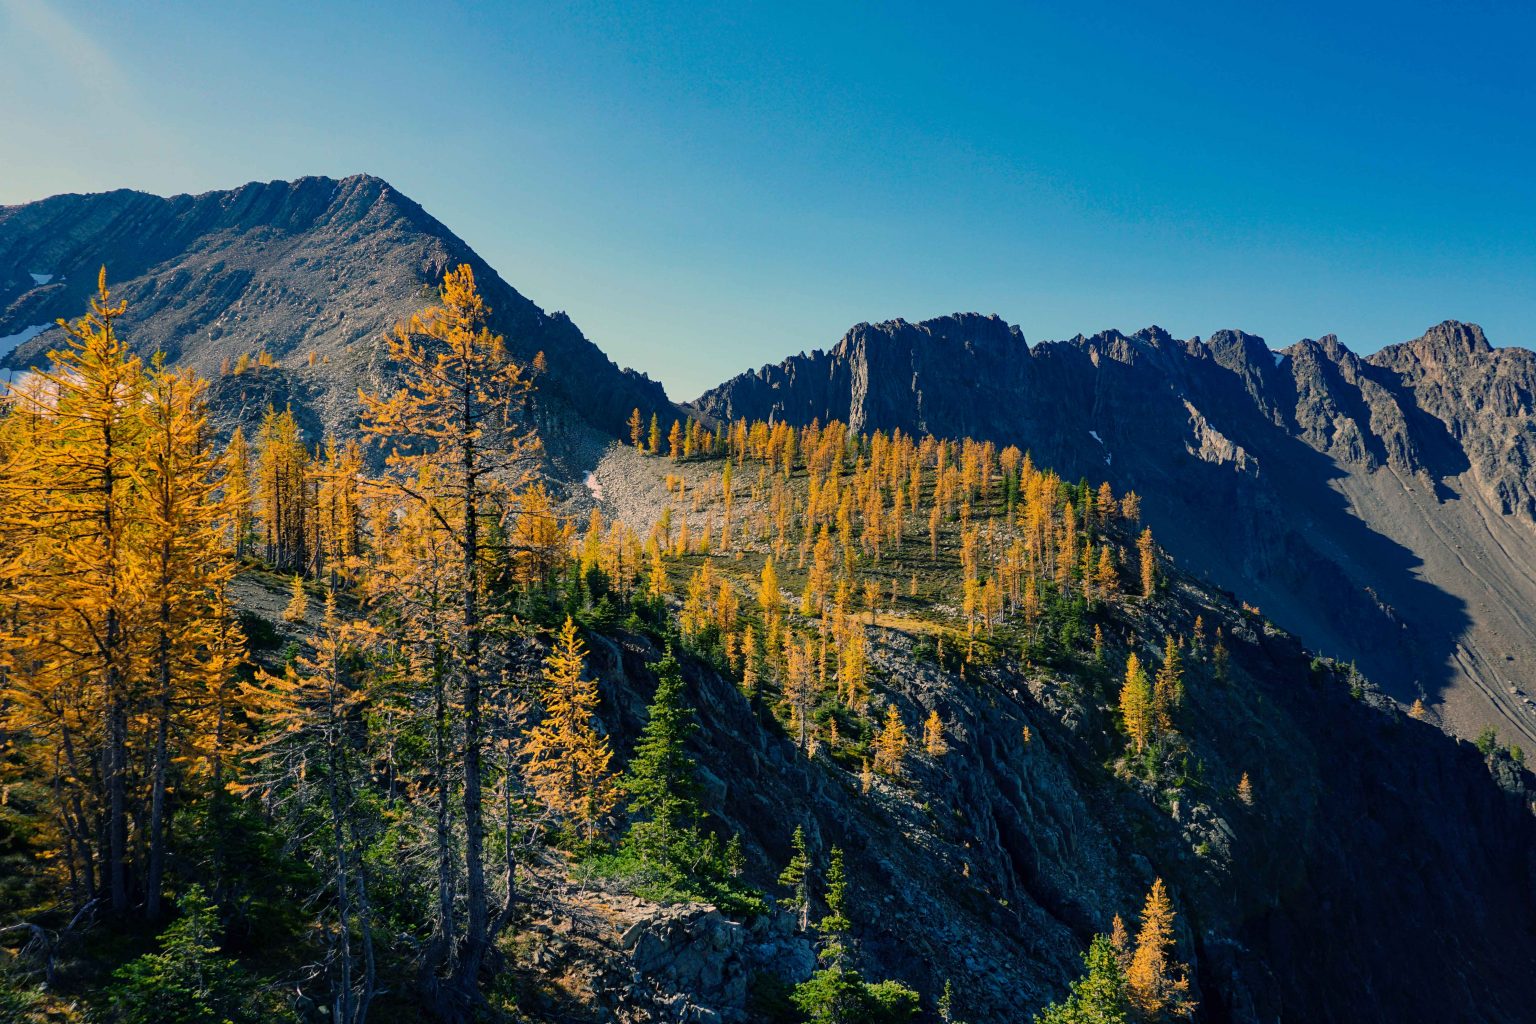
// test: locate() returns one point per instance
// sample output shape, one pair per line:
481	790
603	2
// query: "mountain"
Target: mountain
312	271
1375	869
992	865
1382	507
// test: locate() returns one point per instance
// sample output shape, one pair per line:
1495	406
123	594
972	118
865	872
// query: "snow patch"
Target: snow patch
42	278
592	485
1279	357
9	343
26	334
1107	458
1095	435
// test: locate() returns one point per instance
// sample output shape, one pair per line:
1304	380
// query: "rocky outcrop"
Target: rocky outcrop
992	865
1478	401
598	956
312	271
1317	482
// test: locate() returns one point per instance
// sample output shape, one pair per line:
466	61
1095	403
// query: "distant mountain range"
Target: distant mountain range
1382	507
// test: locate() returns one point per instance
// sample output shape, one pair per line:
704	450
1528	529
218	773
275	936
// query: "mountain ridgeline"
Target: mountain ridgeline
310	272
735	708
1383	507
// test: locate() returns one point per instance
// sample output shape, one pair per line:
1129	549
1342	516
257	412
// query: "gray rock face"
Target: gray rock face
1384	872
1383	507
312	271
1478	401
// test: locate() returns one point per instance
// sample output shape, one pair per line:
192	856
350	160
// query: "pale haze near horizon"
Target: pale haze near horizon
707	191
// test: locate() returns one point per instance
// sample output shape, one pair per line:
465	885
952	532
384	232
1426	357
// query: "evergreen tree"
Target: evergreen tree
796	878
1099	996
836	994
187	981
835	926
661	781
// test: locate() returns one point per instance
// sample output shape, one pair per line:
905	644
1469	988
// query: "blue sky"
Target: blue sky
706	188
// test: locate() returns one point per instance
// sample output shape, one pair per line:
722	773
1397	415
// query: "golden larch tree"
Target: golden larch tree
1136	703
70	511
933	735
1168	686
1145	549
1158	986
1245	790
566	758
891	743
457	439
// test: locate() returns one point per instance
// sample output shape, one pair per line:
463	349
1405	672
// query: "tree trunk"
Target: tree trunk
116	772
162	753
443	941
475	930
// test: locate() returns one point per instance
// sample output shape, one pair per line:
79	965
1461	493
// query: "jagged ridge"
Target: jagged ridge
1313	480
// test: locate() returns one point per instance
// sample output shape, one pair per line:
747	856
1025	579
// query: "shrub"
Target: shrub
187	982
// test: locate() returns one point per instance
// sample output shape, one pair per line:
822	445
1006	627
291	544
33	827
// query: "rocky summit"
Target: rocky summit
1381	506
311	272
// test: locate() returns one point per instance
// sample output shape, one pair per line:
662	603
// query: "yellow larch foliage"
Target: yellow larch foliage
890	743
238	496
1106	578
1120	939
819	582
282	475
1245	790
1158	986
1136	703
1130	507
537	538
1148	562
853	669
800	688
1168	687
933	735
298	601
566	759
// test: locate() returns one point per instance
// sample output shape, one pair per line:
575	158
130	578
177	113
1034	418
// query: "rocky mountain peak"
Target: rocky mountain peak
312	272
1452	340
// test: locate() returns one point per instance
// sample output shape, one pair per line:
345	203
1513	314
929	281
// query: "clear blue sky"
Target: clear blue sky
708	187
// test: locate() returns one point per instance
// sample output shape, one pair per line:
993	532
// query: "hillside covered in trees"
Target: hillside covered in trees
777	723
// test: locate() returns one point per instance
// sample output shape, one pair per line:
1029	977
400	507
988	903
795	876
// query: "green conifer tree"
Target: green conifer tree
661	782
